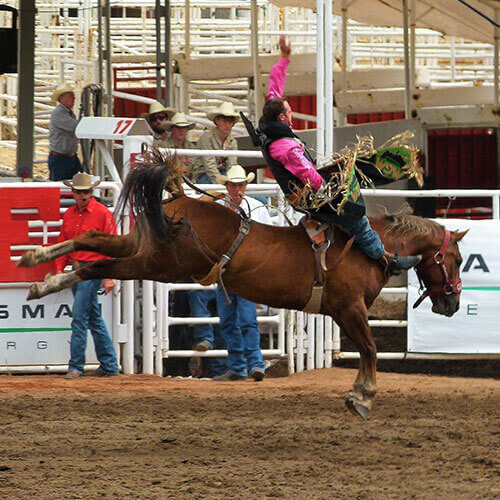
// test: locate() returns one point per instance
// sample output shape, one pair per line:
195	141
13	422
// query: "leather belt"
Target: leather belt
62	154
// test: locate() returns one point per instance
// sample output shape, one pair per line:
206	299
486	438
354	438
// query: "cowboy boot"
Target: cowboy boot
394	263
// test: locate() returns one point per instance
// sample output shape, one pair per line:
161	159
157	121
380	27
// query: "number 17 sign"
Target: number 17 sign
91	127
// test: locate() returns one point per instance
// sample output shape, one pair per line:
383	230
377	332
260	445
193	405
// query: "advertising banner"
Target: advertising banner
475	328
38	332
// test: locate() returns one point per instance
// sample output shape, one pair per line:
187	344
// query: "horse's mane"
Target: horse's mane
404	223
143	189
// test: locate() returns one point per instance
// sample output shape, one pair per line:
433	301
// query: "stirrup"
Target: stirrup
394	263
406	262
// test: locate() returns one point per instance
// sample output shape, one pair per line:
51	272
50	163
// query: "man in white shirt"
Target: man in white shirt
238	321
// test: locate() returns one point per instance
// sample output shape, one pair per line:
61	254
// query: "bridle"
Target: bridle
449	286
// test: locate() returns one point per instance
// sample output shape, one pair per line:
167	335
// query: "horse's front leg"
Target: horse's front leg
92	241
354	322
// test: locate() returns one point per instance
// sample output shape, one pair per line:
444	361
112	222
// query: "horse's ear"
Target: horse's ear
460	235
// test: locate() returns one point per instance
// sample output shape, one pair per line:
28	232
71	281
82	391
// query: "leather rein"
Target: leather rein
218	267
449	286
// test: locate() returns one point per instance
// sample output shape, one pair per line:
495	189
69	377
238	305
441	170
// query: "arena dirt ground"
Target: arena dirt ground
149	438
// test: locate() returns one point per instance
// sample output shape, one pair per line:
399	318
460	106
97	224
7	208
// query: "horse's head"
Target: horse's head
439	272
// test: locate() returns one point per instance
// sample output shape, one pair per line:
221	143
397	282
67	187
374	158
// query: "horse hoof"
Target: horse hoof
357	407
28	259
34	292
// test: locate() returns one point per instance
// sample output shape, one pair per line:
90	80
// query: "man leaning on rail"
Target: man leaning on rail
207	169
178	127
63	144
293	168
157	117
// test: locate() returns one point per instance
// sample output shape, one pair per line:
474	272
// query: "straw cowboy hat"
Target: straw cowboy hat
225	109
158	107
178	120
62	89
236	174
81	180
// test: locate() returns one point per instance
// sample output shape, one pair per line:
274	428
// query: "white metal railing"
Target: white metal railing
155	300
308	341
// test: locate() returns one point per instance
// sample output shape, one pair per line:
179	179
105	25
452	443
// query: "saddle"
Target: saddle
322	236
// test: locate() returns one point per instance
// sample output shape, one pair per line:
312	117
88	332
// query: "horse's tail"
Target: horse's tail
143	189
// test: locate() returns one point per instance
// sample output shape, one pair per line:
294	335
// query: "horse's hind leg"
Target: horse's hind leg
46	254
91	241
354	321
53	284
122	269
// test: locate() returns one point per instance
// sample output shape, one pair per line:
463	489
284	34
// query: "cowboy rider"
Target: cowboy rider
293	168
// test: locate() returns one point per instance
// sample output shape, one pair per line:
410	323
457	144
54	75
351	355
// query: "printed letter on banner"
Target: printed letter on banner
15	229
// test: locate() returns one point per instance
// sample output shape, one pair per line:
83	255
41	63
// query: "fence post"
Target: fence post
160	319
290	323
336	340
300	342
147	327
310	341
328	342
128	319
320	350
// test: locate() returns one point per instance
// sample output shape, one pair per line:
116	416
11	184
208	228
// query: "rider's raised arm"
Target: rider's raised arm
277	76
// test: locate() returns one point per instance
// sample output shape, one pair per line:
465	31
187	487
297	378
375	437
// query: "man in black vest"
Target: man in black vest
293	168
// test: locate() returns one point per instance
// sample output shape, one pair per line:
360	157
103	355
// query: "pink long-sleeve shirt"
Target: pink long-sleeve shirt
288	151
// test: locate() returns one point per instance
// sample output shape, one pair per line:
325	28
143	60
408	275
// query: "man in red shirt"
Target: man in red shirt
87	213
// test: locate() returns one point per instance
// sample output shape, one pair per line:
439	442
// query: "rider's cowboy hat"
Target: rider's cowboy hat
81	180
178	120
158	107
236	174
62	89
225	109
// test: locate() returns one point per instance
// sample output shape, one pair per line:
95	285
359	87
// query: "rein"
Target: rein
215	273
449	286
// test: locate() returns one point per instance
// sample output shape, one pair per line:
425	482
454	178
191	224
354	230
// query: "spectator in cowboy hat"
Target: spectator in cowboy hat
63	144
238	320
157	116
86	214
208	168
179	126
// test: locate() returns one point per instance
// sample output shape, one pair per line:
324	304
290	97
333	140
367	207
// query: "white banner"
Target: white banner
38	332
475	328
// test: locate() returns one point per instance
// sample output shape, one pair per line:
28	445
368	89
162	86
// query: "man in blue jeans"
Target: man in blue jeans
87	316
87	213
238	320
207	336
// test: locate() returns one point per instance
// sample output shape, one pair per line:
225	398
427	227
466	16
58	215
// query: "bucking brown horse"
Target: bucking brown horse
183	237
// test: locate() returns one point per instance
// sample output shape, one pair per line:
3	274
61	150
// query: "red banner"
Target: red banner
15	230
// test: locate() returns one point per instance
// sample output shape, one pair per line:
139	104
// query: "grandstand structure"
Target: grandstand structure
210	55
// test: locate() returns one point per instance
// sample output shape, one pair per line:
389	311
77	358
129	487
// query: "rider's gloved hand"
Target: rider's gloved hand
322	192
